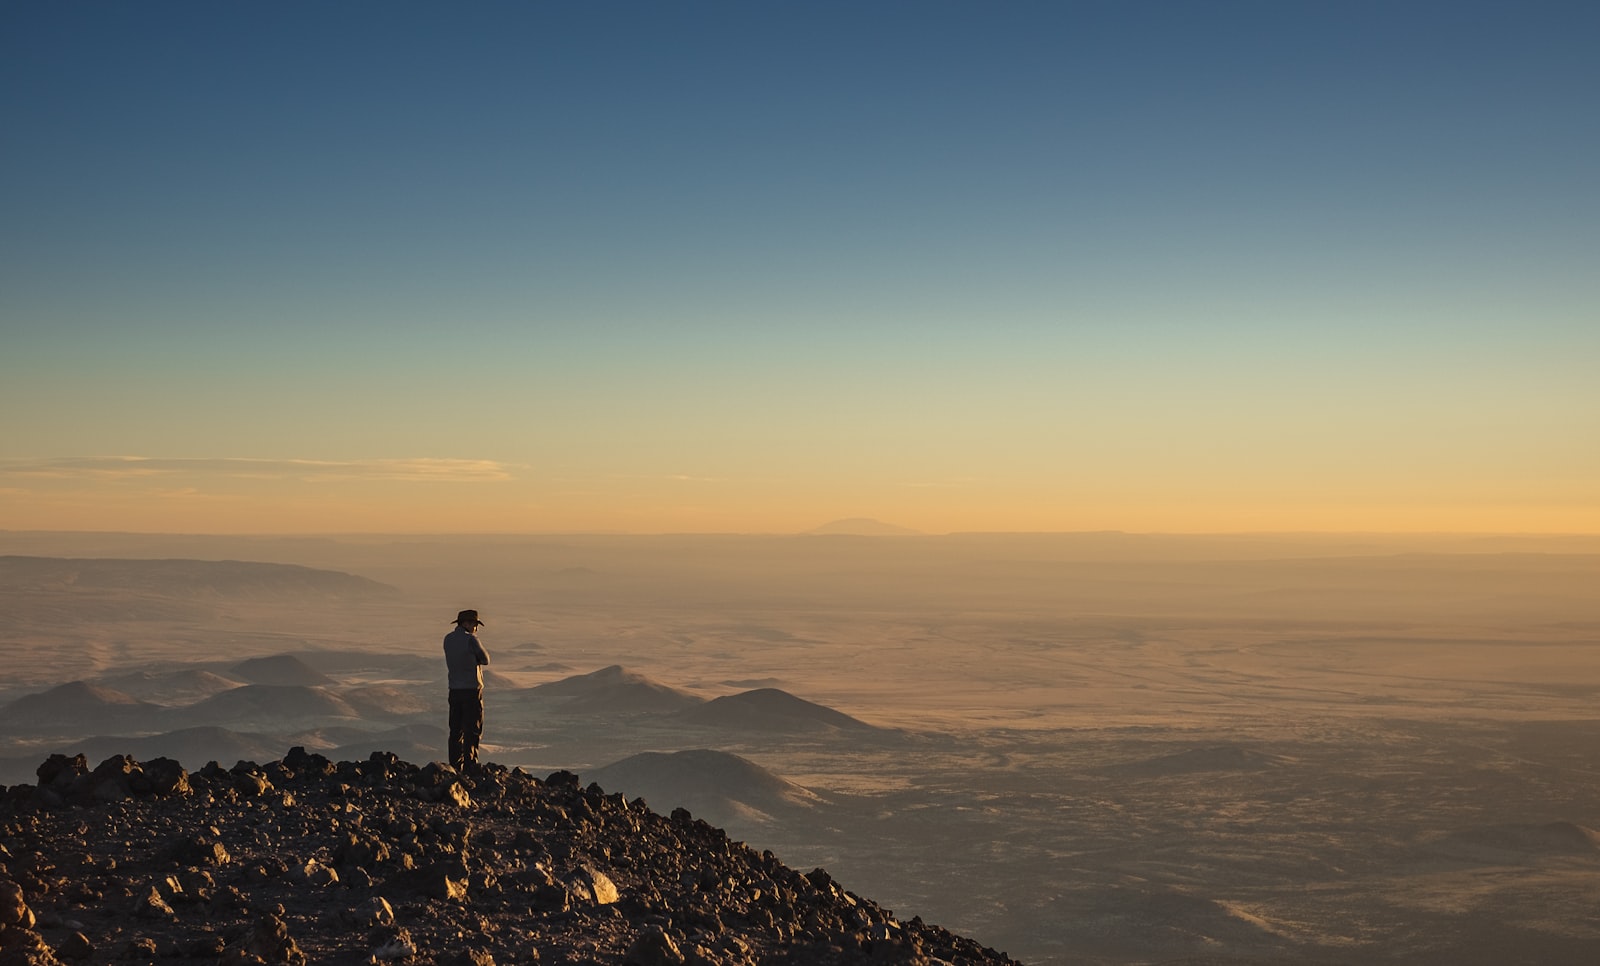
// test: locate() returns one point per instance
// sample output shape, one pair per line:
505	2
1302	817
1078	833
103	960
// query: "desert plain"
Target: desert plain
1076	748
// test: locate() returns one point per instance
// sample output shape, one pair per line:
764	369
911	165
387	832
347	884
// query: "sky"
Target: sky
299	267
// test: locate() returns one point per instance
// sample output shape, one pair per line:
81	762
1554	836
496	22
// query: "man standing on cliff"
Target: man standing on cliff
465	657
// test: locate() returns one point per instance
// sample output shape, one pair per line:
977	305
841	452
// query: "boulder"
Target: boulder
58	771
167	777
13	906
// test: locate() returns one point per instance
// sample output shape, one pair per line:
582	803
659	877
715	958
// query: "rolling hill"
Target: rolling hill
772	710
721	787
77	705
614	690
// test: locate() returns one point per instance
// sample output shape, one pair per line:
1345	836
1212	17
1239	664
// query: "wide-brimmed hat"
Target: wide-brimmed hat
469	617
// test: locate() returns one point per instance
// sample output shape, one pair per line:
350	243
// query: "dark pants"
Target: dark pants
466	725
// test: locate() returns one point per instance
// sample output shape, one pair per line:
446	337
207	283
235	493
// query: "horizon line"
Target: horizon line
907	533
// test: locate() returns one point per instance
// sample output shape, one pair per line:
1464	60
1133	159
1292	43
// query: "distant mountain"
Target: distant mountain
863	527
715	785
276	707
78	705
184	579
279	669
614	690
181	686
769	709
193	747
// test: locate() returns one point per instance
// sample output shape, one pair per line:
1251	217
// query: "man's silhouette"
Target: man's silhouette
465	657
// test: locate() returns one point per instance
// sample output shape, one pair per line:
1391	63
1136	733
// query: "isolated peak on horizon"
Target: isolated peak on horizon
863	527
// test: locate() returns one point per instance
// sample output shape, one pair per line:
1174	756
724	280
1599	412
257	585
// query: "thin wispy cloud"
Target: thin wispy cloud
112	468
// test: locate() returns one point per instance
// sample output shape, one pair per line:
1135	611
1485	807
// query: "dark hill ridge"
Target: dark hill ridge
278	669
307	861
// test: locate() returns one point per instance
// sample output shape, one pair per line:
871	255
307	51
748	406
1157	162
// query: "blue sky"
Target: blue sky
960	265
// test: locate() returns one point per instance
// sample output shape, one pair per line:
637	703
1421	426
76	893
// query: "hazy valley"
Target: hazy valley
1093	748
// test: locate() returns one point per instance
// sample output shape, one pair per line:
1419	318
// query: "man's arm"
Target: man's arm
483	655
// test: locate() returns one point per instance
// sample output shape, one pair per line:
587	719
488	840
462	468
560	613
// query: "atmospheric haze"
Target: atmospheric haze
1078	748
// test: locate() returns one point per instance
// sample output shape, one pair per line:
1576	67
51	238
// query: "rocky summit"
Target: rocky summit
305	860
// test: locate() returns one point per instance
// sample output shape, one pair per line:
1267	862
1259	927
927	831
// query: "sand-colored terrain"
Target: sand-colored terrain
1090	749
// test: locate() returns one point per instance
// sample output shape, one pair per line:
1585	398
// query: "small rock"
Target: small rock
654	947
317	874
357	878
152	906
270	940
370	914
392	944
76	947
251	785
450	889
592	884
201	850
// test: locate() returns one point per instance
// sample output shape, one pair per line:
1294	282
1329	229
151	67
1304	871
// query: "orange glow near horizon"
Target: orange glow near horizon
676	506
1207	298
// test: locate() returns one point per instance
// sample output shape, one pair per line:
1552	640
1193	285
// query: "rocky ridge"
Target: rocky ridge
306	860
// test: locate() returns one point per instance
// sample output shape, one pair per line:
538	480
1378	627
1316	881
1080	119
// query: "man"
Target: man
465	657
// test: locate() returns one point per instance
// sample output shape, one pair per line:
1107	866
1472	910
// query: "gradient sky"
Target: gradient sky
361	266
